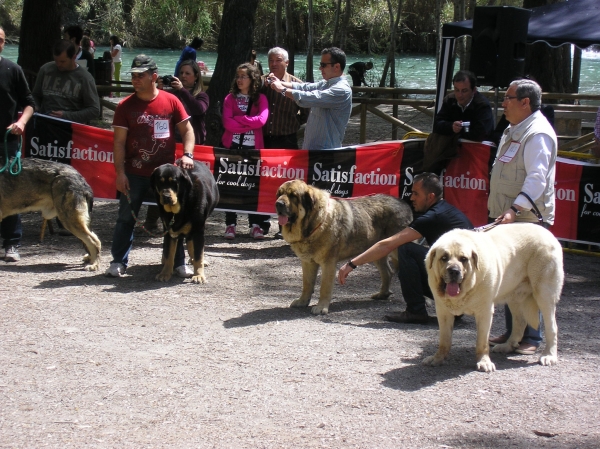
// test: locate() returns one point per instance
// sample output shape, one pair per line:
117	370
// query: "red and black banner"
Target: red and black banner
248	180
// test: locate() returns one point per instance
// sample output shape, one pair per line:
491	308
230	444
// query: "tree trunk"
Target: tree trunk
336	23
390	63
575	76
290	37
278	13
235	45
345	24
309	52
128	9
40	27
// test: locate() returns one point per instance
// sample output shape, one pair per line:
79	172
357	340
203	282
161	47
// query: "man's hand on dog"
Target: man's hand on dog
186	162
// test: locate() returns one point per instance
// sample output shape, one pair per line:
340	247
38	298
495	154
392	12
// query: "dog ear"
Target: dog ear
307	202
430	258
153	179
475	259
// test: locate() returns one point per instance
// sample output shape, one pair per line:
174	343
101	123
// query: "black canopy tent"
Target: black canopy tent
571	22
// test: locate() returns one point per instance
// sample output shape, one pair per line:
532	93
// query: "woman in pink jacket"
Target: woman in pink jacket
243	130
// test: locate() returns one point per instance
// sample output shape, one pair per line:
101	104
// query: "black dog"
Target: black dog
185	199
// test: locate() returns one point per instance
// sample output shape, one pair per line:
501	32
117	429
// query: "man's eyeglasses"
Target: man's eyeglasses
508	98
242	77
325	64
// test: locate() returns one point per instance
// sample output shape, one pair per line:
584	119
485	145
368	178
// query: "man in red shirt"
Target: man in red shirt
144	139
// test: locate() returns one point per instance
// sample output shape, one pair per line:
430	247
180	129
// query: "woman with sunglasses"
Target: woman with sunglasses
245	112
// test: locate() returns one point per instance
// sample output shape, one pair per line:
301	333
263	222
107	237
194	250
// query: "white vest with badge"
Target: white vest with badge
508	173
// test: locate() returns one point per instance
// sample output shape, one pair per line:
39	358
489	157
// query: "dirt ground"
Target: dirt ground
90	361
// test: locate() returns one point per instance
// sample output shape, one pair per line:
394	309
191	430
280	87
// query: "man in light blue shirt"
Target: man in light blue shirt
330	101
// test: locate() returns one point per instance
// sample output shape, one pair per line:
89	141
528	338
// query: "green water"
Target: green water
413	71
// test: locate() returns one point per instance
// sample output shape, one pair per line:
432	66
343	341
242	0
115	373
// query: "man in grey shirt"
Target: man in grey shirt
65	90
329	100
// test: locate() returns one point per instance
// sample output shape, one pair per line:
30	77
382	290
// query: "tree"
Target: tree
390	63
309	44
40	26
235	46
290	37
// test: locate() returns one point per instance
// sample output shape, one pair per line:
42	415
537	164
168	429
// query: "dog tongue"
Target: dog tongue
452	289
282	219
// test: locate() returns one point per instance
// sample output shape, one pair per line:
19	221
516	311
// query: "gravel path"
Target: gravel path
89	361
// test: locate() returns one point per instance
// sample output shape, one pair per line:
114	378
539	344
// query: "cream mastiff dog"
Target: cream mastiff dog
519	264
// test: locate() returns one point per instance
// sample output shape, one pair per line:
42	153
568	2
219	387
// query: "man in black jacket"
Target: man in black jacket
465	104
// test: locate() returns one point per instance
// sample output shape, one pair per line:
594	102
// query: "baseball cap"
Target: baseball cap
142	63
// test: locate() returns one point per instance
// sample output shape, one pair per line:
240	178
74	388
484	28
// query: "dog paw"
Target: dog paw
320	310
433	360
199	279
548	360
163	277
505	348
486	365
381	296
299	303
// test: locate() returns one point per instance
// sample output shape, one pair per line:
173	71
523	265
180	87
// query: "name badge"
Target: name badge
510	153
161	129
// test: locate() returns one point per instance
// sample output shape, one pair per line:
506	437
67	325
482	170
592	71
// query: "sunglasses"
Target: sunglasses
325	64
508	98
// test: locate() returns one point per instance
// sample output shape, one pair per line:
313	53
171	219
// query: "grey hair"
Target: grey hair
279	51
529	89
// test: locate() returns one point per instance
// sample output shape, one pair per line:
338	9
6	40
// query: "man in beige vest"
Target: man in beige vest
523	172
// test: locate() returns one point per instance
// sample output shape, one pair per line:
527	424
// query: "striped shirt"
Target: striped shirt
285	116
330	103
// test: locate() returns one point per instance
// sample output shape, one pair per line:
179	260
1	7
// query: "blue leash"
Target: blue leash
16	161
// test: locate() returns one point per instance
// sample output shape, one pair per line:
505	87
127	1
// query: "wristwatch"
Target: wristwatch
516	211
284	91
190	155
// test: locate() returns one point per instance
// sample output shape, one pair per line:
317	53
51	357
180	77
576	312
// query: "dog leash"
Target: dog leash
489	226
141	225
11	162
534	208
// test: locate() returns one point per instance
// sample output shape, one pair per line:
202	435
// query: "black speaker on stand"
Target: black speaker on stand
499	44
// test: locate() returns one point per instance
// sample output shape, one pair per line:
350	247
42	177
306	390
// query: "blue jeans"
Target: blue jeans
11	230
413	277
531	336
139	190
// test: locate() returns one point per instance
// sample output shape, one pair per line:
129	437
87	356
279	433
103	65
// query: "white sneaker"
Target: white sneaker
116	270
184	271
11	254
256	232
230	232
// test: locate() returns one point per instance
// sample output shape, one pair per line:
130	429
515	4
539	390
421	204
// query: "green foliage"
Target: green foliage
10	14
170	22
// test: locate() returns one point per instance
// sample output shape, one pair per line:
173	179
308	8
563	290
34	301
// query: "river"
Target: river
414	71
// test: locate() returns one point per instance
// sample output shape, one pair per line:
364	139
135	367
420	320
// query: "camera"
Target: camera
167	79
466	126
269	81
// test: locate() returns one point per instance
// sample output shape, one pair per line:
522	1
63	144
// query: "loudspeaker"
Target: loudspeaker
499	44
